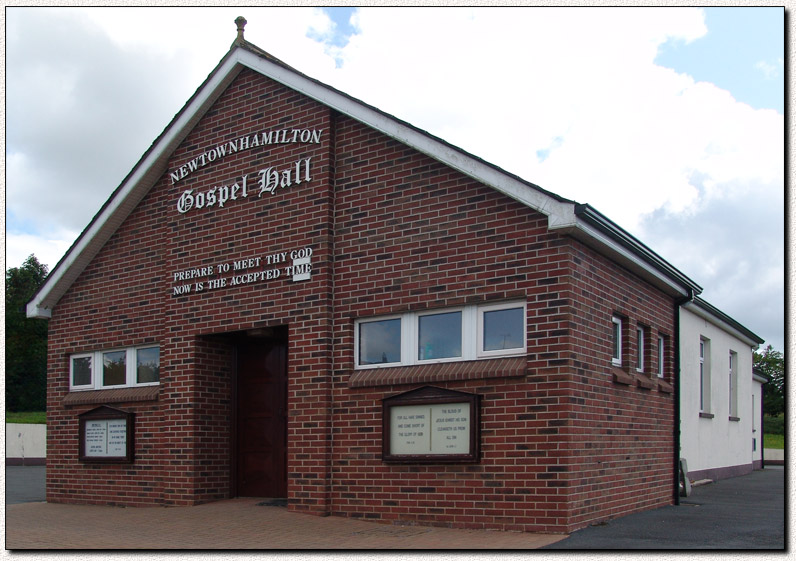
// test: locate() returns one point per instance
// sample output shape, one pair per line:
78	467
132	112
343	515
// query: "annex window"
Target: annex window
116	368
454	334
733	384
704	375
616	357
661	356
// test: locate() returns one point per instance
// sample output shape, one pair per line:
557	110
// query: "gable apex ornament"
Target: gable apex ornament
240	21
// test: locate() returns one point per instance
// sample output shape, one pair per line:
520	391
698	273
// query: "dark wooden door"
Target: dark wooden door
262	419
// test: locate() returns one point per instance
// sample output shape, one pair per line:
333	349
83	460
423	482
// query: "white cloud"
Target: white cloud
90	89
47	249
770	71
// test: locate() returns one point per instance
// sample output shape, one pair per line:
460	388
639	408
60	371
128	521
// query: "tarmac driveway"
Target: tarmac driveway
746	512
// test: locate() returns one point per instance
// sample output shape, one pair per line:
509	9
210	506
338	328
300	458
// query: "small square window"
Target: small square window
440	336
147	365
114	368
380	342
81	371
504	329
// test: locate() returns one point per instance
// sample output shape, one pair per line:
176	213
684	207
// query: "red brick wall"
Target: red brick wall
125	297
412	235
391	230
116	302
622	435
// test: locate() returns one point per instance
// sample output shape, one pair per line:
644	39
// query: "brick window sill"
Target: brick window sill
641	380
442	372
705	415
92	397
622	377
664	386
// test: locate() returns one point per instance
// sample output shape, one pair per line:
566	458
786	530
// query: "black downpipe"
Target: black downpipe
763	387
677	305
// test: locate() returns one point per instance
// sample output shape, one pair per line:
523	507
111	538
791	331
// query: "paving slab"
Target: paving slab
233	525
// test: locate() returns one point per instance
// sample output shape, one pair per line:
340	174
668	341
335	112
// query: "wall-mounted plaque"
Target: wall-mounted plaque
106	435
431	425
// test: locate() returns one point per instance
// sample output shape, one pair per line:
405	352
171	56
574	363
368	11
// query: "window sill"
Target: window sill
735	418
441	372
706	415
664	386
622	377
91	397
645	382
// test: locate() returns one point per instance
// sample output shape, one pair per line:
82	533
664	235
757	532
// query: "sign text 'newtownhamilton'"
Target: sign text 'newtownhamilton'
268	180
246	142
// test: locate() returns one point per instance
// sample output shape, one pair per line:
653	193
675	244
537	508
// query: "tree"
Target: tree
26	340
771	364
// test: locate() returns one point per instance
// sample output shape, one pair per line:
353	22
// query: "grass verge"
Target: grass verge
27	417
775	441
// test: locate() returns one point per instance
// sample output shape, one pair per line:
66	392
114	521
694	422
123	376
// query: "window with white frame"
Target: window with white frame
115	368
733	381
616	357
640	349
704	375
661	356
451	334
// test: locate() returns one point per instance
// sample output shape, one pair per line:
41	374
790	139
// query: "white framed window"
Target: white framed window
115	368
733	384
439	335
378	342
640	349
704	375
444	335
616	357
501	329
661	356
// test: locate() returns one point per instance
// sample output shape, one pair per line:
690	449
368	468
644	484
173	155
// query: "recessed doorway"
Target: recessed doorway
260	466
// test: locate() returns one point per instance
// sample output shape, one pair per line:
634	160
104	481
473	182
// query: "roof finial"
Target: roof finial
240	21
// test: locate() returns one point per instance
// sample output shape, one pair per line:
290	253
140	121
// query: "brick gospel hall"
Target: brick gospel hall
295	295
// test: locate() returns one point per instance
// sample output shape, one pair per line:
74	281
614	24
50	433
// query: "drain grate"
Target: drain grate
273	502
399	532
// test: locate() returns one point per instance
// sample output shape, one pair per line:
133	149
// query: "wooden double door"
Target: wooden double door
261	419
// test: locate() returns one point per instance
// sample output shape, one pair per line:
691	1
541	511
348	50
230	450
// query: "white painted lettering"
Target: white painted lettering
286	179
269	178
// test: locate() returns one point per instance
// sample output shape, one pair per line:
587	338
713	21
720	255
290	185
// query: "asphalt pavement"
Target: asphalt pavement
25	484
739	513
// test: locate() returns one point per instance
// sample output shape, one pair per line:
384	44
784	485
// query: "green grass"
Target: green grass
776	441
27	417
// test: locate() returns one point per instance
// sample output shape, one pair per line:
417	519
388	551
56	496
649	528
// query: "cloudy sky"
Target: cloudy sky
669	121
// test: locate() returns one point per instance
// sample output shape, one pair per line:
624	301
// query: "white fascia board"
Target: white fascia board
558	212
697	310
134	188
590	235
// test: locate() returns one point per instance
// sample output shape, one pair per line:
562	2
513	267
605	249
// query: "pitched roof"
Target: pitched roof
580	221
